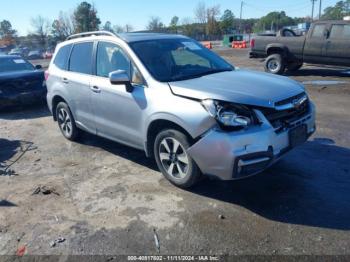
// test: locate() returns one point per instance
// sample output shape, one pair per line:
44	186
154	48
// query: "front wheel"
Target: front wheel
170	151
275	64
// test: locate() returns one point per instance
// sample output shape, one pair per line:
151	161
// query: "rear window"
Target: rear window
9	64
340	32
61	58
81	58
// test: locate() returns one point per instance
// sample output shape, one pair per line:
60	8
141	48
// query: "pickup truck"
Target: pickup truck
326	43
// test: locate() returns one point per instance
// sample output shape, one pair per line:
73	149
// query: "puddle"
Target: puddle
324	82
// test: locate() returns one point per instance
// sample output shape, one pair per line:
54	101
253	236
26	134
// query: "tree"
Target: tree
200	13
274	21
173	23
41	28
85	18
6	30
128	28
337	12
108	27
62	27
212	27
155	24
118	29
227	21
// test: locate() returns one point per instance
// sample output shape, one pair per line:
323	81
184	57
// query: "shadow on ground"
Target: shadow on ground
8	148
25	112
310	187
131	154
323	72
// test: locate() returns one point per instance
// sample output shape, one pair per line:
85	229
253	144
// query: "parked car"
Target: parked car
36	54
20	82
48	54
16	52
179	102
327	42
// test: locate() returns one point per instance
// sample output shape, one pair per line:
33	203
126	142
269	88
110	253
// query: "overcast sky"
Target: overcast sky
138	12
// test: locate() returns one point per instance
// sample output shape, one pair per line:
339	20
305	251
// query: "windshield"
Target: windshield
8	64
170	60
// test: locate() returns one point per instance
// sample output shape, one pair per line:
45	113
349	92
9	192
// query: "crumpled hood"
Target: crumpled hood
239	86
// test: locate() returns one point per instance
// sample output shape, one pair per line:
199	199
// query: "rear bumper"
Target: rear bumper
234	155
254	54
24	98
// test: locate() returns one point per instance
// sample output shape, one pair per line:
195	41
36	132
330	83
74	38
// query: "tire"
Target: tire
292	67
275	64
170	152
66	122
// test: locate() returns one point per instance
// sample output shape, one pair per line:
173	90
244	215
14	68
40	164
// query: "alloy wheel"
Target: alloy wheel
65	122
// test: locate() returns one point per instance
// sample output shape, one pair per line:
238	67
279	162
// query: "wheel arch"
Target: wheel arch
55	101
277	49
158	125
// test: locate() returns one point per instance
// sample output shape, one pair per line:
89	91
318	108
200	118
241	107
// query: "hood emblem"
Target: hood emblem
297	103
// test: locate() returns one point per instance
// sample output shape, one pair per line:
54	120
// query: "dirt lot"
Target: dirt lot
110	198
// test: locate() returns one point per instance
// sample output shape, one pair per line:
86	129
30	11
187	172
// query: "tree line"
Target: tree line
207	23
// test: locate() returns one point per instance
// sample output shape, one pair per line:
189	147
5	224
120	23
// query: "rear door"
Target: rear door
314	49
78	80
338	44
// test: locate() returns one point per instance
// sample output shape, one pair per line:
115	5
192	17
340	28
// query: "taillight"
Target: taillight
46	75
252	43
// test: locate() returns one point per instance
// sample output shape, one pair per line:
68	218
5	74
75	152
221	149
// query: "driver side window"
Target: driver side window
111	57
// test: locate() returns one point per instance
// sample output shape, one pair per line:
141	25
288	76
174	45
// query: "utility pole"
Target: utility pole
240	18
313	8
320	11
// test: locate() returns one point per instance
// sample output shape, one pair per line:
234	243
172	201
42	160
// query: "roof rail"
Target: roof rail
93	33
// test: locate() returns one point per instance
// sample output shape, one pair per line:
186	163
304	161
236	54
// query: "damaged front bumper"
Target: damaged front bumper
238	154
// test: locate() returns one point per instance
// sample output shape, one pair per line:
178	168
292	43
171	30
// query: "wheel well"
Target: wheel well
275	50
157	126
57	99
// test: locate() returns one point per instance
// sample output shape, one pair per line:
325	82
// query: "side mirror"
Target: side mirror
120	77
38	67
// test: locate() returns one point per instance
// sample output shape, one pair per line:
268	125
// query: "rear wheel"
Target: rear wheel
170	151
66	122
275	64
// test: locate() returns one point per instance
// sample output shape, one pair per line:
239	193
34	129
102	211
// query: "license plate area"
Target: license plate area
297	136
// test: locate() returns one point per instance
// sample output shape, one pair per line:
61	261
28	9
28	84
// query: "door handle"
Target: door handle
95	89
65	80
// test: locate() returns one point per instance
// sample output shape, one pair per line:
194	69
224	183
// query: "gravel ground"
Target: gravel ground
108	199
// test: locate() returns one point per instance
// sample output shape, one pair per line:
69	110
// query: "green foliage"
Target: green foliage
6	29
227	21
337	12
273	21
85	18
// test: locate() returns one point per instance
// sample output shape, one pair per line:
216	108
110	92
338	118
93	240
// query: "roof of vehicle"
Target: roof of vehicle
136	37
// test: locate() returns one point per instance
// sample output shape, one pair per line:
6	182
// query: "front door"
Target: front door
118	113
314	49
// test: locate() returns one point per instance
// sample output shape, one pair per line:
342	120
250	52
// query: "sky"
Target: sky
138	12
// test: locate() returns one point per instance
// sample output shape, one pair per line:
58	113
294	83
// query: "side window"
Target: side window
81	58
111	57
61	58
336	31
340	32
318	31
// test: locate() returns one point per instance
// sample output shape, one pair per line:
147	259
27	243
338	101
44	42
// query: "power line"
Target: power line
313	7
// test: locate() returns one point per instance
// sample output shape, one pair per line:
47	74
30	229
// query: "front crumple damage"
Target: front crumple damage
217	151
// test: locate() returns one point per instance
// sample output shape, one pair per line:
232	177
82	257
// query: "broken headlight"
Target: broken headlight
228	115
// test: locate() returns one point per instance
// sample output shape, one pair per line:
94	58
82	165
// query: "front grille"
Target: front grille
282	119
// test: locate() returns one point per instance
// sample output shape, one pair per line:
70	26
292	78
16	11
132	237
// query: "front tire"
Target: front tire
275	64
66	122
170	151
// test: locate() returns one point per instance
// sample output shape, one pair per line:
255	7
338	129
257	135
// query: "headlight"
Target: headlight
229	115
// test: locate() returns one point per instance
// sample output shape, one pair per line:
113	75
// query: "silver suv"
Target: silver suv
179	102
